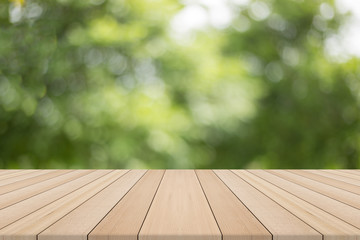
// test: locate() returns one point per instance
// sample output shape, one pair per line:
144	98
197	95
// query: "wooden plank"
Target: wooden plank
30	181
8	171
328	181
126	218
281	223
19	195
16	174
341	210
24	177
78	224
180	210
344	196
336	177
23	208
328	225
179	204
344	174
30	225
234	219
352	171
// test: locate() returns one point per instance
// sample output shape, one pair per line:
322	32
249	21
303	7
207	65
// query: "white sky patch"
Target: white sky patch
192	17
220	16
347	43
198	14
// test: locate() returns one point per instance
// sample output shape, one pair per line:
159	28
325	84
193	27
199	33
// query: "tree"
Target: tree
103	84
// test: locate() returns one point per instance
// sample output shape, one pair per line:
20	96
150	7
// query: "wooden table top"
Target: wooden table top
180	204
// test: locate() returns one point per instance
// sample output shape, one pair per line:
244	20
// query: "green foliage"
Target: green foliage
103	84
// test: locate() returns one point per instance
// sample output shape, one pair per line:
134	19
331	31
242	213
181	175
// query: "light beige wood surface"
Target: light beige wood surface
344	174
179	205
352	171
336	177
18	210
329	181
125	220
341	195
15	174
19	195
31	181
5	172
280	222
227	208
341	210
24	177
333	228
79	223
180	210
28	227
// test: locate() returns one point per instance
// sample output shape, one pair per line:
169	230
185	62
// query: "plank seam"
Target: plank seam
279	205
152	200
87	236
36	182
84	201
313	189
21	174
54	200
41	173
46	191
326	183
334	175
272	236
337	173
209	204
304	199
352	171
8	172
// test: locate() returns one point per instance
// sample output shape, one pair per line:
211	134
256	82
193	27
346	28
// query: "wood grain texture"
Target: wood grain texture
344	174
179	204
341	195
281	223
233	218
19	195
341	210
126	218
16	211
5	172
24	177
15	174
352	171
336	177
180	210
78	224
329	181
29	226
31	181
328	225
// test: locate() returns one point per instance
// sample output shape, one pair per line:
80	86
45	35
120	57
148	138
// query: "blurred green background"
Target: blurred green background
176	84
